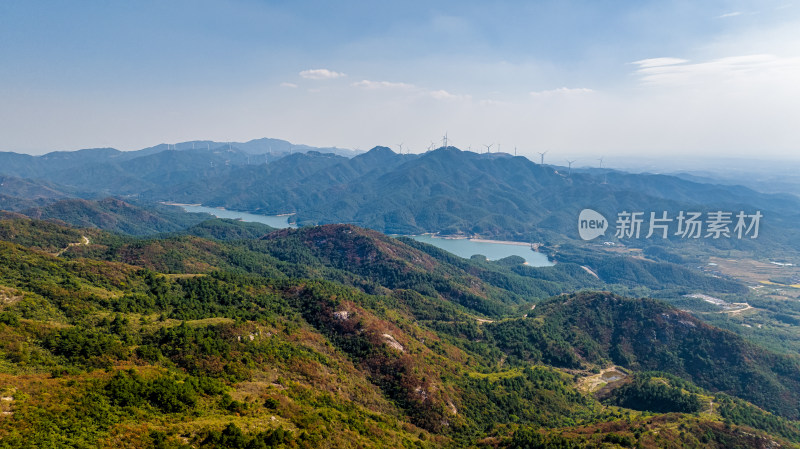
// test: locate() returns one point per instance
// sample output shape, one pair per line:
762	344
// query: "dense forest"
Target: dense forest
234	335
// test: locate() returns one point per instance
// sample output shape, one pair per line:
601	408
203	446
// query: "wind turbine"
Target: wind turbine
444	140
400	145
542	157
605	175
498	148
570	166
515	151
489	148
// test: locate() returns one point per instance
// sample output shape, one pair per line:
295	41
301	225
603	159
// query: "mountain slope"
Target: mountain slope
644	334
577	330
97	352
111	214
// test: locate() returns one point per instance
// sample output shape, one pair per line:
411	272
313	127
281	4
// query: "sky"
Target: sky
579	79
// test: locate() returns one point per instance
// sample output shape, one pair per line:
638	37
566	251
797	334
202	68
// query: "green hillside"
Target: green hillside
115	215
338	336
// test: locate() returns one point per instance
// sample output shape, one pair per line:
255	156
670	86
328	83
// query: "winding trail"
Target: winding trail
590	271
746	307
84	241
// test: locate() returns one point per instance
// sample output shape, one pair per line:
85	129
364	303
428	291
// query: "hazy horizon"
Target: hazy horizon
579	79
667	164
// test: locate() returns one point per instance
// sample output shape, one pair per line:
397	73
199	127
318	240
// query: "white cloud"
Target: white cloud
659	62
730	14
321	74
561	91
290	85
745	71
367	84
447	96
437	94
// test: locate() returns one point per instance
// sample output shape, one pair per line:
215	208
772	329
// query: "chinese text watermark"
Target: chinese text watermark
683	225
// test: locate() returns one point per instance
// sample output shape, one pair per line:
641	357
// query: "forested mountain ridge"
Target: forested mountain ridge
445	191
291	341
115	215
453	191
42	166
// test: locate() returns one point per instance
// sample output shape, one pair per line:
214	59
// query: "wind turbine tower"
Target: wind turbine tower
541	160
605	175
570	167
489	148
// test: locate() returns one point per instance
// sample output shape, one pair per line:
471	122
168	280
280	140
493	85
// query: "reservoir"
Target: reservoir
460	247
466	248
276	221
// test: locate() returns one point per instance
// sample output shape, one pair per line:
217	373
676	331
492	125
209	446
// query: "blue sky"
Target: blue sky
576	78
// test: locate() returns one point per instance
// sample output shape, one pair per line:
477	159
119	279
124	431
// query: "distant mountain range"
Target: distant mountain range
53	165
445	191
449	191
263	146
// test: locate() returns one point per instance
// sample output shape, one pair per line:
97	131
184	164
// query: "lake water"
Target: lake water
466	248
460	247
276	221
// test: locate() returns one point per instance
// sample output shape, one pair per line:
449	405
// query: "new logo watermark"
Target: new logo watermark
591	224
684	225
